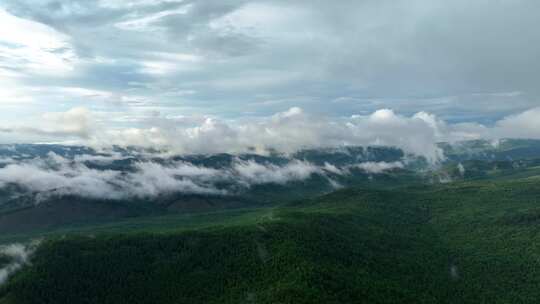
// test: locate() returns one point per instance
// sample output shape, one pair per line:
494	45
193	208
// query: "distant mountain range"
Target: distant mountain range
44	186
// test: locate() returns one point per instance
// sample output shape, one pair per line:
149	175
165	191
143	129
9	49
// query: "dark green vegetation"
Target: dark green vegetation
396	237
4	260
466	242
72	211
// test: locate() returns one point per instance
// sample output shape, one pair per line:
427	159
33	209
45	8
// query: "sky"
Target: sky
212	75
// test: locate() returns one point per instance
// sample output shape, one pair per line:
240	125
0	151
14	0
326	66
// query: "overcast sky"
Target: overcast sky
71	67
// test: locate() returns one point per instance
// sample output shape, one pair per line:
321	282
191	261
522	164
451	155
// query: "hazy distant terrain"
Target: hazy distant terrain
54	185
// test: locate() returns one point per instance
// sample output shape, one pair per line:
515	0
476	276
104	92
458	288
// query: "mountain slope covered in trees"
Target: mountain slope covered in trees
466	242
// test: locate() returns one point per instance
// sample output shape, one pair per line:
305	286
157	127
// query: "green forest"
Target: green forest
465	242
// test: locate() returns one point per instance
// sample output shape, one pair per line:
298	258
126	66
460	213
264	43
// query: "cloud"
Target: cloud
76	121
56	175
29	47
522	125
461	169
285	132
6	160
18	255
241	57
151	179
102	159
73	123
153	175
252	173
332	169
379	167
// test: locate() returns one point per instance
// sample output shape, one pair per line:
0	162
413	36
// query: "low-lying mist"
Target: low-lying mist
122	176
17	255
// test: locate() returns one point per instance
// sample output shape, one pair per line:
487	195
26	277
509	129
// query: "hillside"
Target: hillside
44	187
467	242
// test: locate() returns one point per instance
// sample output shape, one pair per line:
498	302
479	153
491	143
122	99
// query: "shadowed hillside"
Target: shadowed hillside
466	242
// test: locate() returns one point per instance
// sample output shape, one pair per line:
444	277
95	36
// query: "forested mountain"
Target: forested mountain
351	225
465	242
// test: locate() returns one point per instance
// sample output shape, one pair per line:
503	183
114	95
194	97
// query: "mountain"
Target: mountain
46	186
49	186
348	225
467	242
503	149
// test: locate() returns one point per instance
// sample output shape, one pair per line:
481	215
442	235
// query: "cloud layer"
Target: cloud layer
128	60
153	176
286	132
18	254
235	76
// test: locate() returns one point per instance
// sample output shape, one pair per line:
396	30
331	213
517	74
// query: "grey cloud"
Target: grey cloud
379	167
286	132
464	61
100	158
461	169
251	172
154	175
55	175
522	125
74	123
